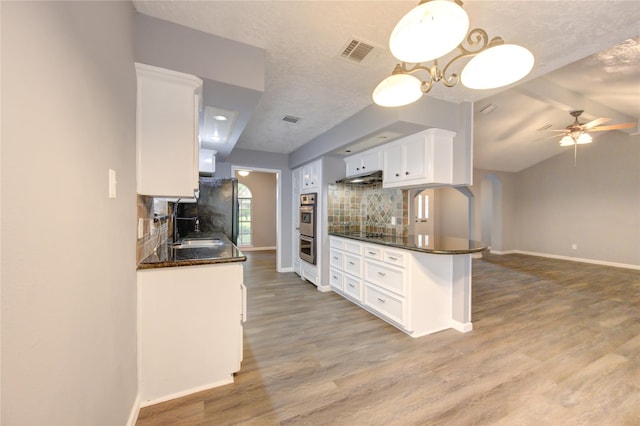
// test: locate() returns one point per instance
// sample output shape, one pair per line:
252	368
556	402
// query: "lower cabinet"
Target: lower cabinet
189	329
403	287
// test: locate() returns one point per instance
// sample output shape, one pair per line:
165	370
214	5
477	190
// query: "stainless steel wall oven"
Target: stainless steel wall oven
307	214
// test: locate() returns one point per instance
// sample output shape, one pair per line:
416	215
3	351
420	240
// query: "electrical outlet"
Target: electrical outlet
393	220
574	246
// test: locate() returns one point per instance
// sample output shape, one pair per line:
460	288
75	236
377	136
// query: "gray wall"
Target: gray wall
263	207
550	206
68	251
594	204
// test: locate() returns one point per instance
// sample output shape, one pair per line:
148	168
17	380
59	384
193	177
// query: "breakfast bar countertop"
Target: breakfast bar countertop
167	255
421	243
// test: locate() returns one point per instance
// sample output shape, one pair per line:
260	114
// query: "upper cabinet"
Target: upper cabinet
421	159
168	104
311	176
368	161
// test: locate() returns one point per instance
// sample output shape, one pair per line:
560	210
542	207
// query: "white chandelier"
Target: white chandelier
433	29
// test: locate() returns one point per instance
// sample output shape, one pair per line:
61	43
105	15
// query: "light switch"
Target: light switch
112	183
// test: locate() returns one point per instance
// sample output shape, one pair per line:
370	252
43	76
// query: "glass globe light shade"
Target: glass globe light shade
584	138
429	31
497	66
397	90
567	141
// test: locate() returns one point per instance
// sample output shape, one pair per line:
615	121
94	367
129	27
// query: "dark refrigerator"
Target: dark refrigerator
215	210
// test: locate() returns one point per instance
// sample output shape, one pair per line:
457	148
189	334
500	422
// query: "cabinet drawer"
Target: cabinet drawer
335	259
335	279
392	307
395	258
353	287
385	276
353	247
335	242
352	264
373	252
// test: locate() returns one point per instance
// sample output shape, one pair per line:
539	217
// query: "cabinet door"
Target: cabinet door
353	165
393	169
311	176
371	162
166	132
414	161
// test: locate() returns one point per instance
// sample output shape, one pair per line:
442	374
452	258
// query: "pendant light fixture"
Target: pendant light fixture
433	29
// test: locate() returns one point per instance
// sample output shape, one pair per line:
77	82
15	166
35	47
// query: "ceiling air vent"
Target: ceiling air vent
359	52
291	119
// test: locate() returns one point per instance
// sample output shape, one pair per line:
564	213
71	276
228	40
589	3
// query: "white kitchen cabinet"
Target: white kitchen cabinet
189	328
311	176
368	161
167	147
424	158
418	293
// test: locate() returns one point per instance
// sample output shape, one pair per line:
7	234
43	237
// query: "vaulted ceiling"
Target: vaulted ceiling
587	57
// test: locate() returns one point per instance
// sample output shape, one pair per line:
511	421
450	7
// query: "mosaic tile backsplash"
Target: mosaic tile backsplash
367	209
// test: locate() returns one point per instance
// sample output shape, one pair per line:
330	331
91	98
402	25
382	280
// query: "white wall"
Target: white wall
68	251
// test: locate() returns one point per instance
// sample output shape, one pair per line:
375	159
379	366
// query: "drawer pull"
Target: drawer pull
335	258
393	258
351	263
372	252
335	278
381	300
382	274
351	285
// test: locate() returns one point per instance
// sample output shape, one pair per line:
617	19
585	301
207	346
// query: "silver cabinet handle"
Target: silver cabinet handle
393	258
335	258
351	285
371	252
382	274
382	300
335	278
351	263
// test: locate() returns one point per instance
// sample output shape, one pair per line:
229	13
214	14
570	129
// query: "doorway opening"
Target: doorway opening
260	213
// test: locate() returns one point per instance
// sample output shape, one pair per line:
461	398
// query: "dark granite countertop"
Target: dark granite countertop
422	243
167	256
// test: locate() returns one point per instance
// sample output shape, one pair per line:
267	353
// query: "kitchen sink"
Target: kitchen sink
199	242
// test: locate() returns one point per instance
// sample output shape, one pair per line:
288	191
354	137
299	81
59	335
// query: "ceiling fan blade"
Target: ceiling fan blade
595	122
612	127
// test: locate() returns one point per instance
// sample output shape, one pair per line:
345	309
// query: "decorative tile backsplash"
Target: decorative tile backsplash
155	230
367	209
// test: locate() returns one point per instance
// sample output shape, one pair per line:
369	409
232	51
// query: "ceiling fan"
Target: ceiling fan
576	132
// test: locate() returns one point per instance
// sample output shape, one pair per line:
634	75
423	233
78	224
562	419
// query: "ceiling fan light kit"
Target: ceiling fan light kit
433	29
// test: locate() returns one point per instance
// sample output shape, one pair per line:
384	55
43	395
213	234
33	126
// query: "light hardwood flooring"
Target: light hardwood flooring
554	343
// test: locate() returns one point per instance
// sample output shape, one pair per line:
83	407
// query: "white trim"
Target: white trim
186	392
247	248
290	269
135	412
462	327
569	258
324	288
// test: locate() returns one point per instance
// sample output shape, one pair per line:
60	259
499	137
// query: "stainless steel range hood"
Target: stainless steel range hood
368	178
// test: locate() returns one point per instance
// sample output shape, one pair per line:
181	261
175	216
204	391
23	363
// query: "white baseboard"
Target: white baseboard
134	413
324	289
186	392
257	248
569	258
289	269
462	327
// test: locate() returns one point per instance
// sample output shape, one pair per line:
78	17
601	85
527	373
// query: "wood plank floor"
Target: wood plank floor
554	343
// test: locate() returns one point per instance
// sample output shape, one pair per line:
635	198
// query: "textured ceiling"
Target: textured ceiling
306	78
